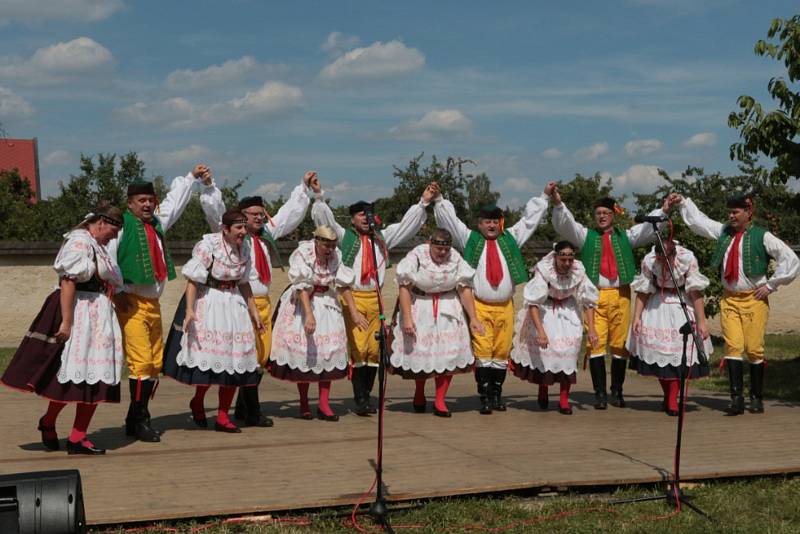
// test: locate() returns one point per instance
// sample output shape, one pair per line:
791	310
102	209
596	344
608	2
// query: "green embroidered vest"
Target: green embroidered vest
754	256
351	244
133	252
508	247
623	255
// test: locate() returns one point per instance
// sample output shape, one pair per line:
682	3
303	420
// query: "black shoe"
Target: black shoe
80	448
756	387
306	416
671	413
756	405
616	397
202	422
543	402
371	407
332	418
362	407
439	413
51	444
420	408
233	429
597	369
565	411
736	379
618	367
498	377
484	387
146	433
736	406
260	421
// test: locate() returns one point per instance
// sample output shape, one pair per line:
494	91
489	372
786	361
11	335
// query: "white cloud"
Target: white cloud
270	189
638	178
228	72
37	10
58	157
78	58
338	42
592	152
12	105
551	153
642	147
271	99
517	185
189	155
701	139
433	124
375	62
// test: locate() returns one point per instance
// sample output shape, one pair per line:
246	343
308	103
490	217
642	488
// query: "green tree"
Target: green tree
773	134
19	216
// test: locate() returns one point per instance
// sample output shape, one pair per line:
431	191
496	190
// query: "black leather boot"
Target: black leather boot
498	377
372	372
757	387
597	368
142	429
240	412
360	395
484	389
618	366
253	415
736	378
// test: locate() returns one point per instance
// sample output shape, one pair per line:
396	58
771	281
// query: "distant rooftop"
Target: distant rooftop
22	154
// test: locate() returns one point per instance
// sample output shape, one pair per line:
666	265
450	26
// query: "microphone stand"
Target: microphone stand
378	510
674	496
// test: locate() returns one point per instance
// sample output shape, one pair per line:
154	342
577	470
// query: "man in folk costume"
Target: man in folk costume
263	231
742	254
494	253
356	248
146	266
607	255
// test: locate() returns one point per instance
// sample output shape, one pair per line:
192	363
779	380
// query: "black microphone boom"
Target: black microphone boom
651	218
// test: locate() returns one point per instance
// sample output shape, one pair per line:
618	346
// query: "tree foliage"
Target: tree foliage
773	134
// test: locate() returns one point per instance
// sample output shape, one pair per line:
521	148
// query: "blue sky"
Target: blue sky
532	91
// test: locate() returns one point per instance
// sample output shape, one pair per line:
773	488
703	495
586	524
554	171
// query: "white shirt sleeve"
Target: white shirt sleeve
75	260
291	214
398	233
406	271
300	274
213	207
567	227
197	268
171	207
698	222
535	209
446	218
787	264
321	214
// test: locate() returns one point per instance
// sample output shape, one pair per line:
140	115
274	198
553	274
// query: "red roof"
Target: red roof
22	154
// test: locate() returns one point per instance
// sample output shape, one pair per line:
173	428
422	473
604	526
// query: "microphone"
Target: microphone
651	218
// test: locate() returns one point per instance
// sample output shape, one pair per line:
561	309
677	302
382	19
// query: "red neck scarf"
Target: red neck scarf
156	258
608	264
368	270
732	265
262	265
494	269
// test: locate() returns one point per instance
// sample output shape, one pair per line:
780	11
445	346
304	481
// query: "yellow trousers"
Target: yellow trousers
362	344
744	323
498	320
612	319
264	339
142	335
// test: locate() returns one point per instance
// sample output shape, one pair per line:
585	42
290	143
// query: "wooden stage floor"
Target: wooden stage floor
301	464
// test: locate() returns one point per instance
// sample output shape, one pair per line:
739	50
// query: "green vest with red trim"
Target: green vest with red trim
133	252
754	255
351	244
508	248
591	255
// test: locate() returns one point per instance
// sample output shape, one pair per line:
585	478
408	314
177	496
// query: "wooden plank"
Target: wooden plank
309	464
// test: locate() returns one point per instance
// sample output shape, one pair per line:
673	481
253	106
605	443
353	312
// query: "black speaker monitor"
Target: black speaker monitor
44	502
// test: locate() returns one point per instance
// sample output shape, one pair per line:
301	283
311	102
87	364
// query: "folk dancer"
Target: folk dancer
494	252
432	338
309	343
146	267
356	251
655	343
550	327
73	350
742	254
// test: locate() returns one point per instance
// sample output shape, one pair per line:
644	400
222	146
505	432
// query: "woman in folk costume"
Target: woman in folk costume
655	342
73	351
356	247
494	252
742	255
218	346
433	336
146	264
309	343
607	256
550	328
262	233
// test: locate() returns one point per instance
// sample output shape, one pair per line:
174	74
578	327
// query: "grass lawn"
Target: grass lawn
6	353
782	378
760	505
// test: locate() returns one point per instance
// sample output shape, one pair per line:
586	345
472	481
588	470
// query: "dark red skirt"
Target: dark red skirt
547	378
284	372
35	365
407	374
